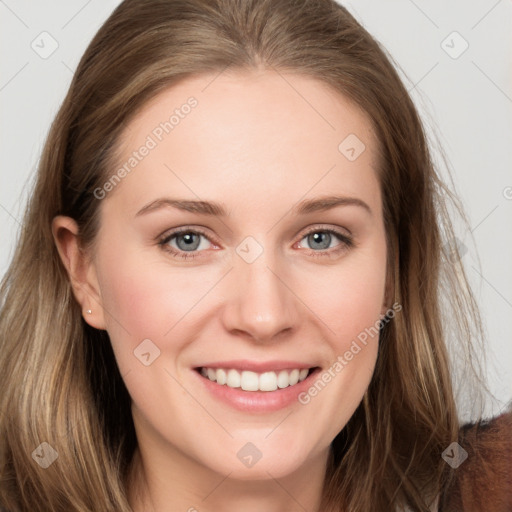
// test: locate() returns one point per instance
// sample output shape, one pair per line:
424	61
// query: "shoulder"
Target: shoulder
484	479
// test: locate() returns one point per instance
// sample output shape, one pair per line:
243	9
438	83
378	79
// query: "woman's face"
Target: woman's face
265	283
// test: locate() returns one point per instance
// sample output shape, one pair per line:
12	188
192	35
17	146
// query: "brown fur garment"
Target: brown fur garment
483	482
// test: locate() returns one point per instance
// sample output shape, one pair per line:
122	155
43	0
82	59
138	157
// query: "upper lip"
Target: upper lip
257	366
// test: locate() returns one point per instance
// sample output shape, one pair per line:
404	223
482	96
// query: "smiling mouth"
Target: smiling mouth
253	381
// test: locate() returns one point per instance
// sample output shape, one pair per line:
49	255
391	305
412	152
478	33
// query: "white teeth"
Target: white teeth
294	377
233	379
249	381
221	376
268	381
283	379
252	381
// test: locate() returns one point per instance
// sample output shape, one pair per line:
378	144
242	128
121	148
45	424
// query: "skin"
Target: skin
259	143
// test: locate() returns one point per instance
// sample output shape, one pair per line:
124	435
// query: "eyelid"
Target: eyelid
327	227
345	239
166	235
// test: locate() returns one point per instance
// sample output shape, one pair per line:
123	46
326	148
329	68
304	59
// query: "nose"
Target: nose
260	305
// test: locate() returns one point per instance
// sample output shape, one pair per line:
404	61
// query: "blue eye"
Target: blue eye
319	241
188	242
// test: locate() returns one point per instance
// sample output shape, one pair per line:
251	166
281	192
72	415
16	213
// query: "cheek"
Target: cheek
352	310
349	297
147	298
144	299
348	300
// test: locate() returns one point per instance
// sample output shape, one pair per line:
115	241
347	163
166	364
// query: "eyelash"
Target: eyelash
347	242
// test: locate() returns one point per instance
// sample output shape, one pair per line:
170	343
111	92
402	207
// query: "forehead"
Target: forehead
249	135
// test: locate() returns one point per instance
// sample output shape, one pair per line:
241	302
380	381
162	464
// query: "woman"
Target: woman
172	337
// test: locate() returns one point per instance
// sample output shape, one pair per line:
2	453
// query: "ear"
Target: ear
80	269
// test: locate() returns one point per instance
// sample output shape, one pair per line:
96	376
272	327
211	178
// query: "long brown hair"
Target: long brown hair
61	384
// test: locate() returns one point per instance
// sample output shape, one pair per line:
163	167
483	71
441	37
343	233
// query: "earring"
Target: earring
89	311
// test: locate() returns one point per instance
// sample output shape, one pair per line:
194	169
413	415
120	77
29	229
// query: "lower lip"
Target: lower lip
257	401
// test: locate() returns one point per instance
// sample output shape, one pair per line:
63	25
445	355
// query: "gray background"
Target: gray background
465	98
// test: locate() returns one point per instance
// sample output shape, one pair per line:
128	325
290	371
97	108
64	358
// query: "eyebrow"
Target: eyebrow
219	210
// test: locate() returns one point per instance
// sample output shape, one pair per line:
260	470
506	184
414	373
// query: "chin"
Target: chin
251	463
